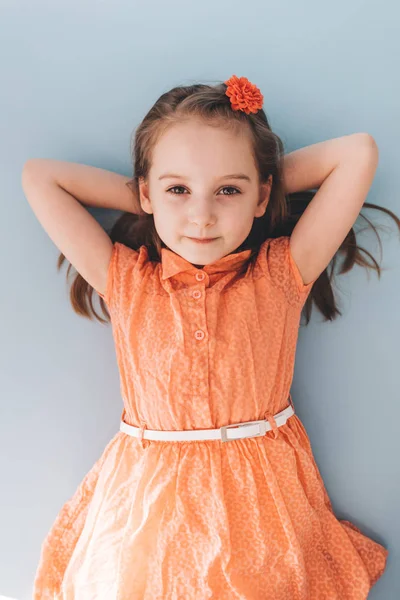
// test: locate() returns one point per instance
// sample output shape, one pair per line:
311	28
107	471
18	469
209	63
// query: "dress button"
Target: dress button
199	334
196	294
200	275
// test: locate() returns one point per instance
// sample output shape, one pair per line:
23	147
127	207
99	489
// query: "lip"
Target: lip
203	240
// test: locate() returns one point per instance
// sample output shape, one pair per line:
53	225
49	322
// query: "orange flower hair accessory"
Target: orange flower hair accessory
244	95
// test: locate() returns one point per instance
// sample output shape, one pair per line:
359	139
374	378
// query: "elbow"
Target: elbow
34	167
364	148
366	140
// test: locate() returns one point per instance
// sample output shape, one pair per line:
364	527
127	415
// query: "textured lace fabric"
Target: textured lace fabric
246	519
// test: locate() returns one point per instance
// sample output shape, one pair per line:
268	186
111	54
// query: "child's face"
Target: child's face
201	202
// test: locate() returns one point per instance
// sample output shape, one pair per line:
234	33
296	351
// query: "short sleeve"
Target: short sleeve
120	276
279	265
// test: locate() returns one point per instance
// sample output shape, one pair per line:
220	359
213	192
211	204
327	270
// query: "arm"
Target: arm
91	186
308	167
343	169
71	227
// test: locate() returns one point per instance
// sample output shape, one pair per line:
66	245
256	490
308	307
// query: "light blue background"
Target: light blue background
76	79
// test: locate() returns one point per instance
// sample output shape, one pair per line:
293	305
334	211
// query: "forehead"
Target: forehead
195	145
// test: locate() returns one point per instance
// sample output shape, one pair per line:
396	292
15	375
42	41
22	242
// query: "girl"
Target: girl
210	488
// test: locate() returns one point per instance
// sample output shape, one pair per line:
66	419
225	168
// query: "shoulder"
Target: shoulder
125	263
277	263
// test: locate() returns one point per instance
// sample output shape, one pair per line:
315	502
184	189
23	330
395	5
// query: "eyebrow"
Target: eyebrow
241	176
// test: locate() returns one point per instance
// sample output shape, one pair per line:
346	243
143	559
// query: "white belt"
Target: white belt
236	431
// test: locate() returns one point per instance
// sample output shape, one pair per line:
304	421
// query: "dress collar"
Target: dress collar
172	263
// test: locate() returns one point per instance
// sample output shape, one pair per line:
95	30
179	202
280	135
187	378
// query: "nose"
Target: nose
201	213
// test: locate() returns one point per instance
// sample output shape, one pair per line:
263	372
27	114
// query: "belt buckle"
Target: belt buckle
262	431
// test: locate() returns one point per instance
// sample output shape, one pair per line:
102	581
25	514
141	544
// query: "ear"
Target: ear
144	198
265	192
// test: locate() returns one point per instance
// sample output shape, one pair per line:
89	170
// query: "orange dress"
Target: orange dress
245	519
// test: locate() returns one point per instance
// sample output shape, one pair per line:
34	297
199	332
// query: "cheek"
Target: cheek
240	214
166	219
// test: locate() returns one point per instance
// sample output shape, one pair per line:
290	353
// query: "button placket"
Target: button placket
198	328
199	334
200	275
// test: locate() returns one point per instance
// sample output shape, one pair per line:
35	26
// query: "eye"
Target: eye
227	187
175	188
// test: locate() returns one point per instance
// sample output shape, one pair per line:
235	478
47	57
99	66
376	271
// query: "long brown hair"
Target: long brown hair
212	105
